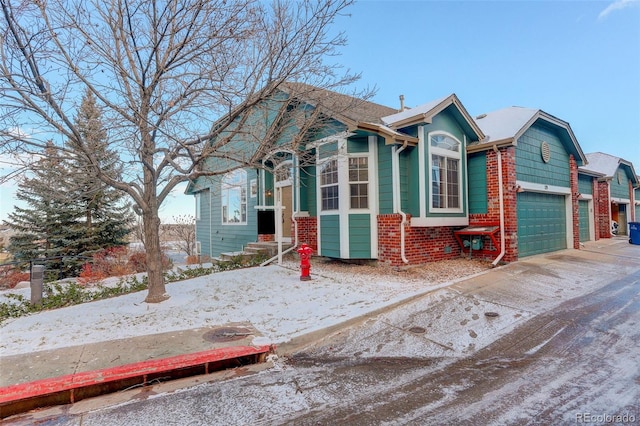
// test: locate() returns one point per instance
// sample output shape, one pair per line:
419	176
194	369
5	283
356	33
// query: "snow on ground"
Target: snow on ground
272	298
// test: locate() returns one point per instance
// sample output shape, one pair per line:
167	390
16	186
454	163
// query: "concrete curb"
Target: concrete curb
71	388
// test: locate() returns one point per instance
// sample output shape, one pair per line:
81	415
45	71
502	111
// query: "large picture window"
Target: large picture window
234	197
359	182
329	185
445	172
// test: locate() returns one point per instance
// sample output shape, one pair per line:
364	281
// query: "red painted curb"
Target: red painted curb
46	387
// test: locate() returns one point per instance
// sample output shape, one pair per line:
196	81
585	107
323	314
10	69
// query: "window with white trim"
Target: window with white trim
234	197
329	185
359	182
445	178
197	197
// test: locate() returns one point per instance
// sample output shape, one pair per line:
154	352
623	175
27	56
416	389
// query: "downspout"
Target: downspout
503	249
398	206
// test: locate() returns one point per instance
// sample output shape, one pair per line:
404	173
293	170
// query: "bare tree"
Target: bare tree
183	230
177	81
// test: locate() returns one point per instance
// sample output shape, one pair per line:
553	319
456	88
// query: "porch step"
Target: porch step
231	255
252	250
269	248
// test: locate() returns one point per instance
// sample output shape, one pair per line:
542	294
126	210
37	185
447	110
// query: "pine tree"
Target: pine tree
69	213
107	216
48	226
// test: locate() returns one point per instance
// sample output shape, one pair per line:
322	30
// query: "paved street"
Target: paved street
562	349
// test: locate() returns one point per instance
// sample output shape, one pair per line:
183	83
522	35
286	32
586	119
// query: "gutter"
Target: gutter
503	249
396	190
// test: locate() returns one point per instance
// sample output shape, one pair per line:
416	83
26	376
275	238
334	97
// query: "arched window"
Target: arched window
445	178
234	197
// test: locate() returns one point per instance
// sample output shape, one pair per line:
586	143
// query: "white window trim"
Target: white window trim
223	192
285	182
447	154
348	184
198	205
320	165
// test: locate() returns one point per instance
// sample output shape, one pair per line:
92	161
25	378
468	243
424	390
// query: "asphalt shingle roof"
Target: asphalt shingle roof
339	105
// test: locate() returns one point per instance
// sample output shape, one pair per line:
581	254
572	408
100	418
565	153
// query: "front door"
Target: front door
287	203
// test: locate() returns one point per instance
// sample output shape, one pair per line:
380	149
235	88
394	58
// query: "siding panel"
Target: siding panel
359	236
478	183
330	236
585	184
529	164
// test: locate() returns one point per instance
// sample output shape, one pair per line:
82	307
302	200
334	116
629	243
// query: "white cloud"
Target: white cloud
617	5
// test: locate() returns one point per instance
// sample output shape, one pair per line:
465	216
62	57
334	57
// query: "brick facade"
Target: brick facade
265	238
422	244
510	198
594	199
307	231
575	206
602	207
429	244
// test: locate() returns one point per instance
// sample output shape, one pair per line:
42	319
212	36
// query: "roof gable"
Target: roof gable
505	126
607	165
424	114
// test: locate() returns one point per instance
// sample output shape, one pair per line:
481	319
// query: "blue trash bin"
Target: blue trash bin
634	233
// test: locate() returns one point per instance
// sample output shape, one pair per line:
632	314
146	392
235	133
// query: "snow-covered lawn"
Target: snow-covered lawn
272	298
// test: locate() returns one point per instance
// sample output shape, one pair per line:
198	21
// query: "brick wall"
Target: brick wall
594	194
509	197
575	207
307	231
603	209
422	244
264	238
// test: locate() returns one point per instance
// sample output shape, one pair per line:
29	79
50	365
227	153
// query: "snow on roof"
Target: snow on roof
602	163
412	112
505	123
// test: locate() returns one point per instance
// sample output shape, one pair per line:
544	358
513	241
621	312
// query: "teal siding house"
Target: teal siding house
531	160
615	184
371	182
356	180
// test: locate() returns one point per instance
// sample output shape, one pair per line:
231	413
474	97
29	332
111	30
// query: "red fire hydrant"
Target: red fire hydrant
305	266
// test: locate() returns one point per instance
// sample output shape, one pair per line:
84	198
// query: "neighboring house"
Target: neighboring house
539	157
615	192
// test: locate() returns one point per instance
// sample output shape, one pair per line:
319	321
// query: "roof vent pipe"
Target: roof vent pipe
401	103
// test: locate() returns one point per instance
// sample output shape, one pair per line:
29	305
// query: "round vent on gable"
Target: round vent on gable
545	151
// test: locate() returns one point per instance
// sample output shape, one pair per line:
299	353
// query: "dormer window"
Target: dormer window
445	178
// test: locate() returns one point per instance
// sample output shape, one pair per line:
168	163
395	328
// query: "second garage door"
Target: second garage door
584	220
542	224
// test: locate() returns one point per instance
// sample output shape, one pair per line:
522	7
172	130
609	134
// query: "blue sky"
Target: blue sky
576	60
